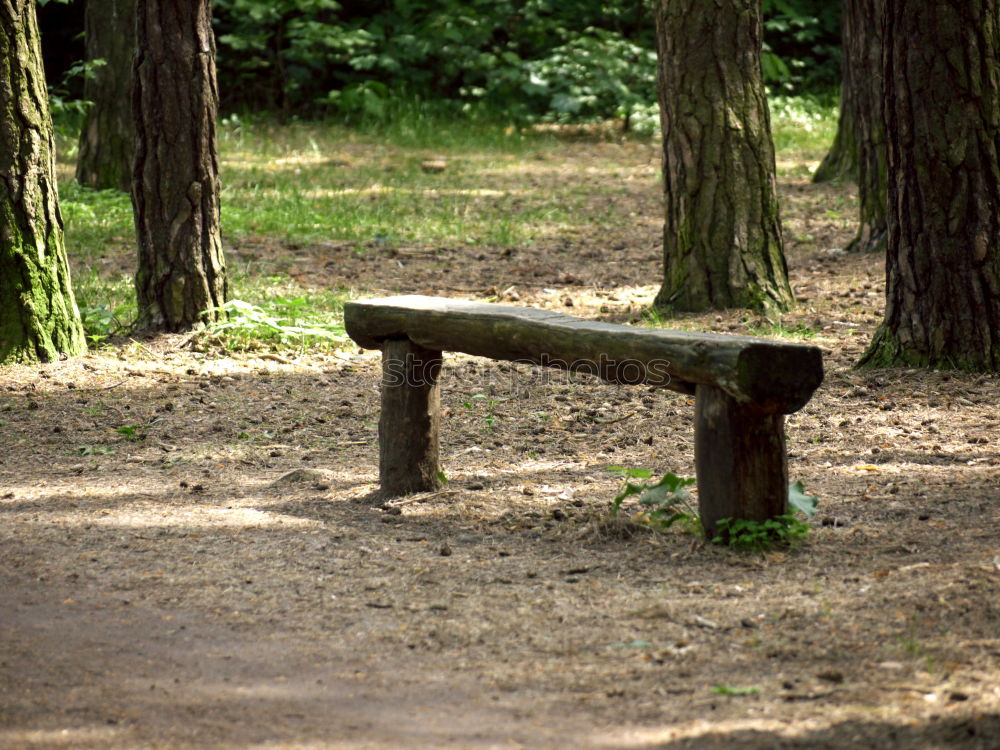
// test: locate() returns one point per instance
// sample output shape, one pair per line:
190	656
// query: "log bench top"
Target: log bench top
771	377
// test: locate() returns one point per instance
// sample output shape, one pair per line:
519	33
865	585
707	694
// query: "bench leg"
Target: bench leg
740	460
409	423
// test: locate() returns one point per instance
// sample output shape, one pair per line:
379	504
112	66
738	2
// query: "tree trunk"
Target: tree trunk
863	35
39	319
181	278
107	140
722	237
941	64
841	161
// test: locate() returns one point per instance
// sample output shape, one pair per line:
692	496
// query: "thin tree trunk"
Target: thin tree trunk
841	161
722	236
863	37
39	319
942	121
107	140
181	277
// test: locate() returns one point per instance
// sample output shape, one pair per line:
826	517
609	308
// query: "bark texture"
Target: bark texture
863	36
175	192
941	65
775	377
410	422
722	239
39	319
740	460
107	140
841	161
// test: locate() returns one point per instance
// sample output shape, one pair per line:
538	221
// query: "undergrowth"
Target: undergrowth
667	502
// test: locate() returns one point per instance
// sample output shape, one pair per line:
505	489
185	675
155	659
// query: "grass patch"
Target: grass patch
309	182
98	223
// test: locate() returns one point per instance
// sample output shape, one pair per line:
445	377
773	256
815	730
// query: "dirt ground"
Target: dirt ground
215	576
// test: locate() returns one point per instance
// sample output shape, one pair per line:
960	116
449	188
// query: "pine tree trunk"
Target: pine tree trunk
39	319
863	53
841	161
181	276
722	236
942	122
107	140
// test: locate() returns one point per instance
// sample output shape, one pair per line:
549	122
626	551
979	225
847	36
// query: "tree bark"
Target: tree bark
740	460
107	140
39	319
841	161
863	35
722	239
181	277
941	64
773	376
409	426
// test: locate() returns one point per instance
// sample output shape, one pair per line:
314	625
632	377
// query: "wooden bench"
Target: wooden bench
742	386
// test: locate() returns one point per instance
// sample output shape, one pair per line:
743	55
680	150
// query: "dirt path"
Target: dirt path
222	582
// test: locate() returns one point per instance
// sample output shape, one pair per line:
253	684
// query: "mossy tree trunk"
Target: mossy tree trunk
181	275
941	64
107	139
39	319
722	239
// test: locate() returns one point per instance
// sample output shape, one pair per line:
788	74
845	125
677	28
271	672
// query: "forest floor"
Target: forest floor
189	557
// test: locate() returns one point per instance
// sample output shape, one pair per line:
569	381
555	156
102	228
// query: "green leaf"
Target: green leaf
799	501
631	473
729	690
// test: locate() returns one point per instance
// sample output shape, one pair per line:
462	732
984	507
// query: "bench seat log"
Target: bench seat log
743	386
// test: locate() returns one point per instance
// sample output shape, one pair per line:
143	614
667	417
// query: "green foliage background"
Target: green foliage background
516	60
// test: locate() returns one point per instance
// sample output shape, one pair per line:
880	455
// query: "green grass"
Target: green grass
98	223
310	182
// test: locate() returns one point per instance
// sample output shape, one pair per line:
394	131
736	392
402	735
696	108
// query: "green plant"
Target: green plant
663	504
783	530
279	322
490	419
756	536
67	111
133	432
100	321
136	432
595	75
94	450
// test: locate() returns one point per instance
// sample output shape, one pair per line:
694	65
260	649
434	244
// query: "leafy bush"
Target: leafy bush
526	59
801	46
596	75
